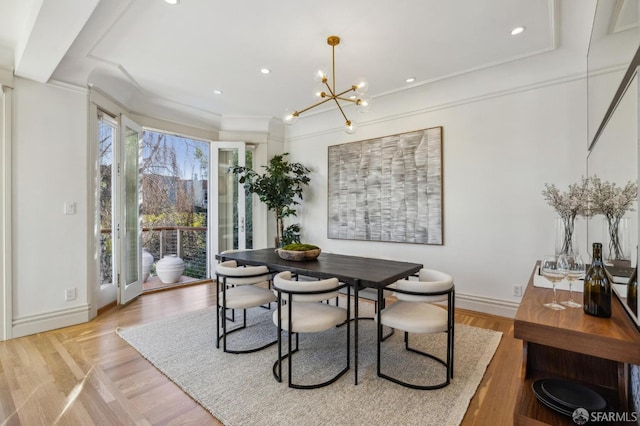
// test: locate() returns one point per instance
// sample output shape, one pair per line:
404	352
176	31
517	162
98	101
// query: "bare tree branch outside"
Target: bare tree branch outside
175	199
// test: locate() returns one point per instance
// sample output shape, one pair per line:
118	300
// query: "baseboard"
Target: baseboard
487	305
500	307
106	307
50	321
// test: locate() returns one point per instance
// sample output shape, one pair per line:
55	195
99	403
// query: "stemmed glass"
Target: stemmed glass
554	268
575	270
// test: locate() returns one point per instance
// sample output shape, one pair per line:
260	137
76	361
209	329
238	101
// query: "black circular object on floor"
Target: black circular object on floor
573	395
547	401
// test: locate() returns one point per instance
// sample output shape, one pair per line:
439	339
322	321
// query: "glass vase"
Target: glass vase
617	247
566	241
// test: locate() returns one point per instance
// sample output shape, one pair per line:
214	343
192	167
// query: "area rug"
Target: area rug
240	389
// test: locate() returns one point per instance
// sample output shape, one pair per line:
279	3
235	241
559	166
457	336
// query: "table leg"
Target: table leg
355	330
379	328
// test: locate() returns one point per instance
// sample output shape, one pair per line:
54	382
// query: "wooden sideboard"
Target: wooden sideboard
572	345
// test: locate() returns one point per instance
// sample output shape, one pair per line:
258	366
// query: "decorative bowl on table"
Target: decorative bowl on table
299	252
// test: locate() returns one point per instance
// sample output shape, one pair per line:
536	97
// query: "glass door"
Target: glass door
233	213
129	229
107	141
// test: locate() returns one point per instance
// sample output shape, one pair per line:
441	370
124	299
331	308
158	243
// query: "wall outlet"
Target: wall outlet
69	294
69	207
517	291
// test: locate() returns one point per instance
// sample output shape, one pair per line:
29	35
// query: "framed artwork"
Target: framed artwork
387	189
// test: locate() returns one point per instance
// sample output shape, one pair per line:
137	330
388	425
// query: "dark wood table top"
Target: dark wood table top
363	271
614	338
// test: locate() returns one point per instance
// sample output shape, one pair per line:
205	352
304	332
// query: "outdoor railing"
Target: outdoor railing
188	242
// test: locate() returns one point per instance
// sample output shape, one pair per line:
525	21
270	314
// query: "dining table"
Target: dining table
357	271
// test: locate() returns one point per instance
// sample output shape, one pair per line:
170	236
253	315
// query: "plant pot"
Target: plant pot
170	269
298	255
147	262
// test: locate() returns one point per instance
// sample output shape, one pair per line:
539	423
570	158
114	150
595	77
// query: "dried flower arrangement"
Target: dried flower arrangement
613	202
571	203
568	205
608	199
590	197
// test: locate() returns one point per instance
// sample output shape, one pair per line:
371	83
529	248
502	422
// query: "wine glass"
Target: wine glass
575	270
554	268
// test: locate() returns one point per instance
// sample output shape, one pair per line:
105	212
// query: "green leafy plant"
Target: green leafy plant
291	234
279	188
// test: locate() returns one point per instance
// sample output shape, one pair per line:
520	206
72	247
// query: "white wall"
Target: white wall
500	149
49	169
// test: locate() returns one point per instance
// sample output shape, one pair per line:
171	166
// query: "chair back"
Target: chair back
328	288
429	281
242	275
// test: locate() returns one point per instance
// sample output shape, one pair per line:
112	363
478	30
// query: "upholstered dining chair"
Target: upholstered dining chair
415	312
300	310
371	295
243	288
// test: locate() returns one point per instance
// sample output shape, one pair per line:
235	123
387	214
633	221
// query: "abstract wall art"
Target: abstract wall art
387	189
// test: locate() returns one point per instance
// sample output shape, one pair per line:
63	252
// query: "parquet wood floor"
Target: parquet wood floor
87	375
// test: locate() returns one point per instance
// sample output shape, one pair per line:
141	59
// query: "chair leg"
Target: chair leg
375	307
226	332
222	317
217	313
452	325
290	369
279	361
277	366
447	364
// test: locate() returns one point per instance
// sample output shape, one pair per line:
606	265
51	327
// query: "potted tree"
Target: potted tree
279	188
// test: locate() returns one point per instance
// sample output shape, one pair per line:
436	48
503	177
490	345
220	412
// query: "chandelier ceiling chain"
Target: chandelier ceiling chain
327	92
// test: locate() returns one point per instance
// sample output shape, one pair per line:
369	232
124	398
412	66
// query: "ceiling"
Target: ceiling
152	51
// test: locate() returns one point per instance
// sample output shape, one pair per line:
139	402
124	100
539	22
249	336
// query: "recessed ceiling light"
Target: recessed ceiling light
217	92
518	30
410	79
172	2
265	71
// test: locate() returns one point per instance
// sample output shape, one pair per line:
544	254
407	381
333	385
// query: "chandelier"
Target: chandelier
326	92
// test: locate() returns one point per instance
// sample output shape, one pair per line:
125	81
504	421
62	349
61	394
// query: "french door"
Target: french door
232	214
128	246
229	208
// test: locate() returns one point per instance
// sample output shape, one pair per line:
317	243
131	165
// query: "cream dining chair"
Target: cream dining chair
415	312
300	310
243	288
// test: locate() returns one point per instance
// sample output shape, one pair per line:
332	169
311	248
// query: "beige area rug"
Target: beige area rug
240	389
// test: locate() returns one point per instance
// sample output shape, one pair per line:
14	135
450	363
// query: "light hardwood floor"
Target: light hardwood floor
87	375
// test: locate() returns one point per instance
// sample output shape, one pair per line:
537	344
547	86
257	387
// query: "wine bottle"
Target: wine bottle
632	291
597	286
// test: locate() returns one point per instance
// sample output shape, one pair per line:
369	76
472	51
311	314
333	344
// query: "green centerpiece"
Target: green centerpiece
299	252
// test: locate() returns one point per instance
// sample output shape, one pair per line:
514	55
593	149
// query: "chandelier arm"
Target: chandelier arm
347	99
341	111
314	105
335	98
331	91
338	96
352	88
